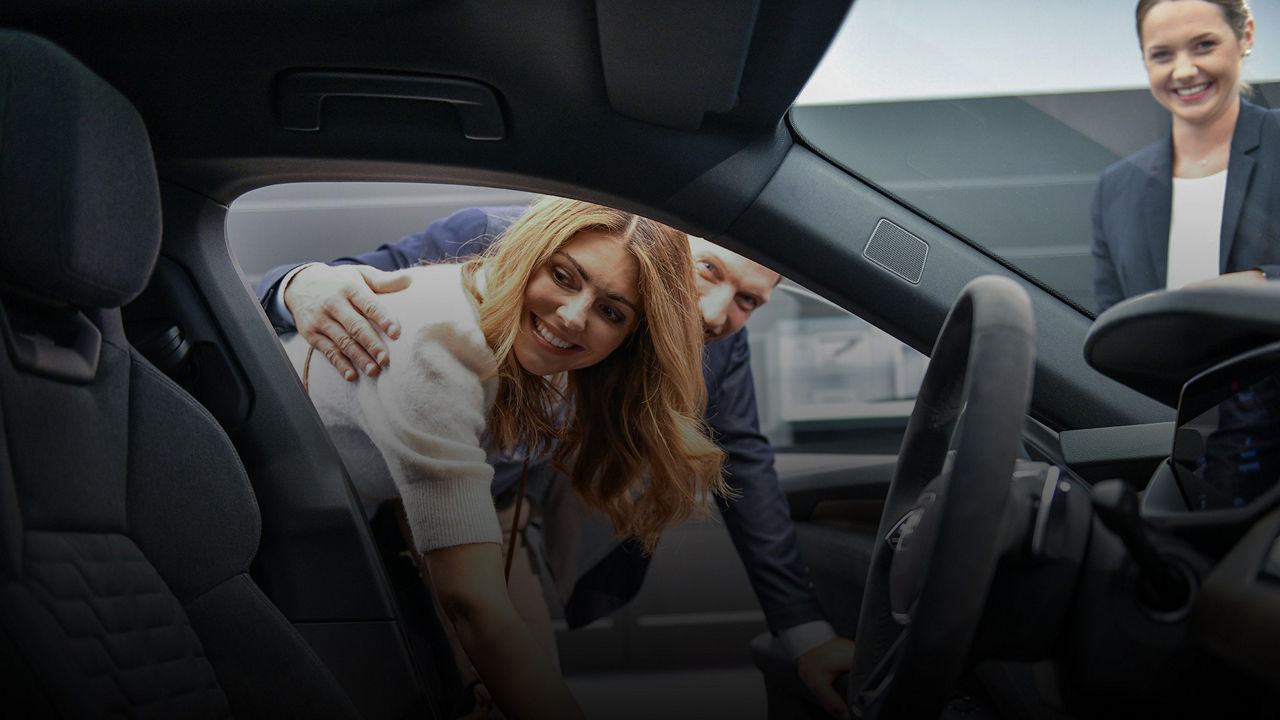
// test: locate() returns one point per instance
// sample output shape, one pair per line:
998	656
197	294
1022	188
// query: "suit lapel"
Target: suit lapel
1158	211
1239	174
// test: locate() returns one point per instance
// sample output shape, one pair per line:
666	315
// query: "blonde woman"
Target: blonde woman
577	334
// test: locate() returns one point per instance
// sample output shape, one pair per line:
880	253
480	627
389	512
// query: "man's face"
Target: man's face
730	287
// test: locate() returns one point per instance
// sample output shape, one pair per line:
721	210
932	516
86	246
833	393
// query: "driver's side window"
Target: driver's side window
826	383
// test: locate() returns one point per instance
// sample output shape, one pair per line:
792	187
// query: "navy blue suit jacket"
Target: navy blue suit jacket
1133	202
759	522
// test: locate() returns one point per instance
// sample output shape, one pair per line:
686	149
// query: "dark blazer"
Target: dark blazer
1133	202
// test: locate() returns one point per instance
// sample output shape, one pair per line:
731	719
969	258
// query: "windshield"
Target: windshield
996	119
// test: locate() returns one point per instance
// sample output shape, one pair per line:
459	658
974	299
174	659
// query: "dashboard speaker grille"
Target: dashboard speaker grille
897	251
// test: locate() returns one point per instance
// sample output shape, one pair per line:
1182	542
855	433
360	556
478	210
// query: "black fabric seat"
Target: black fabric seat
127	524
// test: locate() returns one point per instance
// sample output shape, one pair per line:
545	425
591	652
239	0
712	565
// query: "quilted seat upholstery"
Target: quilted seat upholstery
133	641
127	523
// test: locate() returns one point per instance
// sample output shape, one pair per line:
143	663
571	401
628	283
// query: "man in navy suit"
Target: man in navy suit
334	305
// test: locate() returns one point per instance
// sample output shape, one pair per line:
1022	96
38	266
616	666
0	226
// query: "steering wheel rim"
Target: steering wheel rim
982	363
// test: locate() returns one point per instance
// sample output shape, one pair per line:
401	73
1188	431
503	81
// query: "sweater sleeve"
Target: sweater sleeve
426	414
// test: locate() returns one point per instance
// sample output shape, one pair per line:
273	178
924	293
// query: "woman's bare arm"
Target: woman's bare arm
521	677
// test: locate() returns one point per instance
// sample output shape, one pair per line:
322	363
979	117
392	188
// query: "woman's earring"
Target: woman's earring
1248	52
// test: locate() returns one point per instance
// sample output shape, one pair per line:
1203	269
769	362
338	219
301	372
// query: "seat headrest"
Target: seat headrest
79	199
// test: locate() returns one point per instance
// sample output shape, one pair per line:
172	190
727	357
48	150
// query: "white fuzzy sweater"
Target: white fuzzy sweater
416	431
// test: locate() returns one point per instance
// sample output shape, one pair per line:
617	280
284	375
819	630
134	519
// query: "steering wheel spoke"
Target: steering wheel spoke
875	682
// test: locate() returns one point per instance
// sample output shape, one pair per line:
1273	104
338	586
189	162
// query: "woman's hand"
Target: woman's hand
519	674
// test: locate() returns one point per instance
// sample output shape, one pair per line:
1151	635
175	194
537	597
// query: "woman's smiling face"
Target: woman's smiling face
580	306
1193	59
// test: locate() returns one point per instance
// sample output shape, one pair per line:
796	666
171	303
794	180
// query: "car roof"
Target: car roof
207	79
671	109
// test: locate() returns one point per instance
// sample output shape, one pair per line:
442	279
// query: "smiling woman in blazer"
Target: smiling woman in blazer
1206	200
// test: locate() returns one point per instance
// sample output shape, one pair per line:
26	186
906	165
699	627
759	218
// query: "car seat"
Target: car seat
127	524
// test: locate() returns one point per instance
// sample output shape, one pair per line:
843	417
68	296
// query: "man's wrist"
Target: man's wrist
277	311
800	639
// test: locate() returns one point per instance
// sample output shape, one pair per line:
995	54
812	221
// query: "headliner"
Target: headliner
571	80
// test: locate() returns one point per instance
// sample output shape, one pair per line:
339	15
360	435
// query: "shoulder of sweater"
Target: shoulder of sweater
439	329
434	296
437	285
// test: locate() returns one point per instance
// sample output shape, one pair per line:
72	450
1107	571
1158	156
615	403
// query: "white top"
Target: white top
1195	229
417	430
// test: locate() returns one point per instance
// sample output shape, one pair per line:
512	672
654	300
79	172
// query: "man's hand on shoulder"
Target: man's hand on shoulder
820	667
336	310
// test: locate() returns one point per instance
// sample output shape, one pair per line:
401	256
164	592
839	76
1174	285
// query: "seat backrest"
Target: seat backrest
127	524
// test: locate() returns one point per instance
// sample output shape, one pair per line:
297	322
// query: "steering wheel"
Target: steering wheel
940	531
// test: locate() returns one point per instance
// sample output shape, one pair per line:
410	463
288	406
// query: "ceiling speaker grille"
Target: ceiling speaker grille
897	251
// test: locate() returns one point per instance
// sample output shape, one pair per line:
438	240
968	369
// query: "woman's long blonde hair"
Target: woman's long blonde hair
627	431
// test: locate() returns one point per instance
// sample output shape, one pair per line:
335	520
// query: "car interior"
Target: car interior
1056	536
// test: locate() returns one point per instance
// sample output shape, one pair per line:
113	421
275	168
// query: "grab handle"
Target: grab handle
300	95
